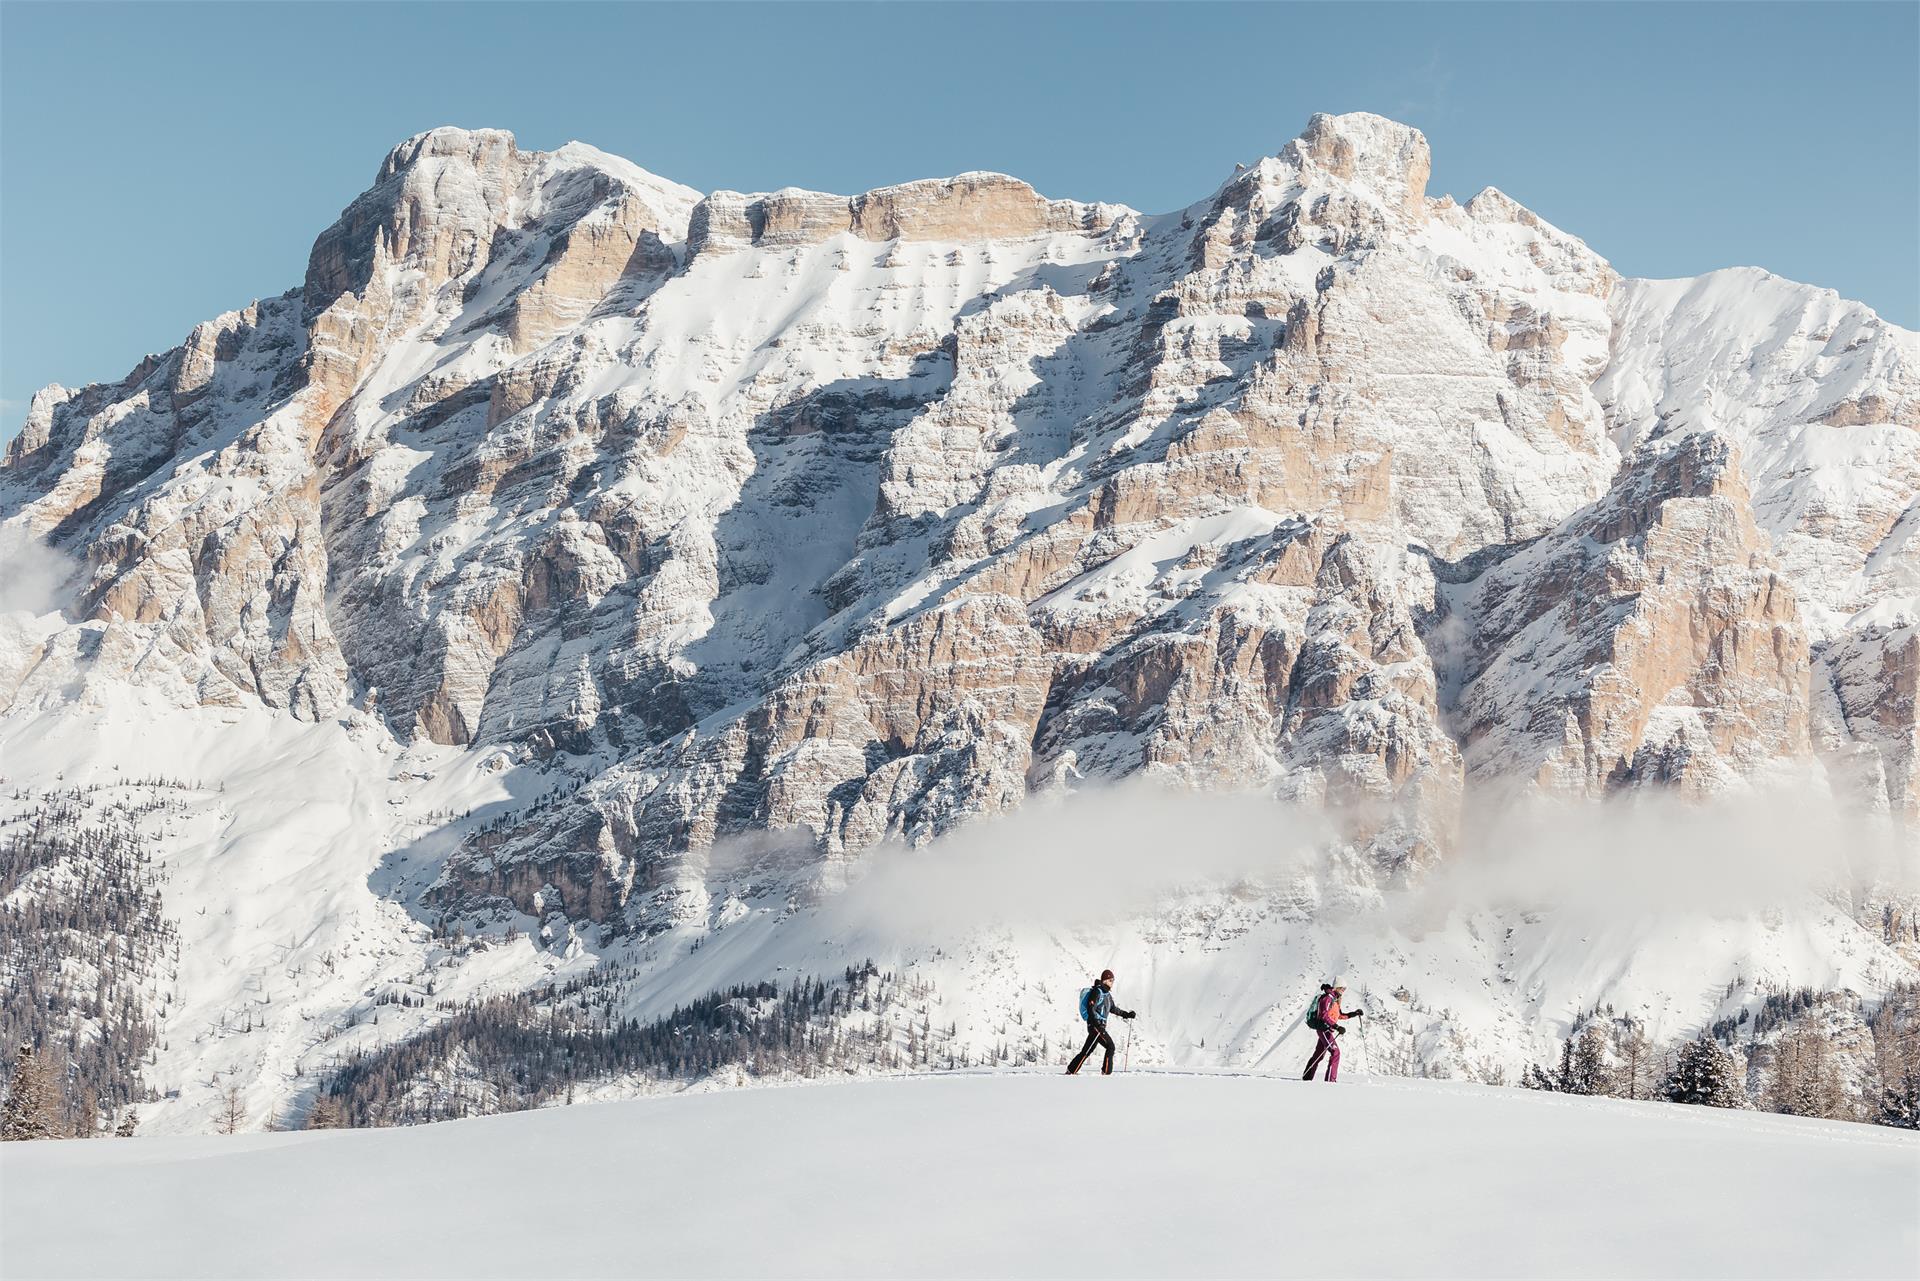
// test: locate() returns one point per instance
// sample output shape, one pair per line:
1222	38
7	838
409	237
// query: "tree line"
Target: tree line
1789	1061
84	950
508	1053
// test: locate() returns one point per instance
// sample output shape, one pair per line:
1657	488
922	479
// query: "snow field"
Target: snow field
994	1174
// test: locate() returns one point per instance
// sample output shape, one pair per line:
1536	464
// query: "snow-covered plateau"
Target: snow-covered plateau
591	636
1003	1174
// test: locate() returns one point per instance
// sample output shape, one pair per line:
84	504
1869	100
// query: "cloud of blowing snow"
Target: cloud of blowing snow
1635	856
1081	859
33	576
1105	854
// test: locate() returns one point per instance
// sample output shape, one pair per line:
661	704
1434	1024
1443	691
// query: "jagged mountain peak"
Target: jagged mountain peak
1382	156
486	149
447	142
1358	157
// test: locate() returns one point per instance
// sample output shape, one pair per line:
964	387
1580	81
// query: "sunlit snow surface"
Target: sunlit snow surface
1014	1174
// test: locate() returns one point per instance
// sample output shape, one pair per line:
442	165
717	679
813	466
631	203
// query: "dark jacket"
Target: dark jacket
1100	1004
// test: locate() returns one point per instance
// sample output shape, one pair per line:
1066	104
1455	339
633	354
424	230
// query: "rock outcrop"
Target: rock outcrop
1649	639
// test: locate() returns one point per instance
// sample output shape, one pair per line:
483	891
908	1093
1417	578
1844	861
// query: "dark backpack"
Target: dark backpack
1314	1021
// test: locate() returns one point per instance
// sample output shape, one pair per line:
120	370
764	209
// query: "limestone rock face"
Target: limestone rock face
972	207
1649	639
1864	713
1287	657
1388	158
796	522
1822	398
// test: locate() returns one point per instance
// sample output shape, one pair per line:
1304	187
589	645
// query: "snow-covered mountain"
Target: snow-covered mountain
579	556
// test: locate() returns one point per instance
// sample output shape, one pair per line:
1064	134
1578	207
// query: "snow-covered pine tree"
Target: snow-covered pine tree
1706	1075
29	1111
1537	1078
129	1124
1587	1071
1583	1065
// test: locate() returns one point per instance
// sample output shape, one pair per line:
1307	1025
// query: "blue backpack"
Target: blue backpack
1086	1004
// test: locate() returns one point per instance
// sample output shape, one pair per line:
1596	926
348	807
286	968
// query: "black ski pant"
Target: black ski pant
1096	1035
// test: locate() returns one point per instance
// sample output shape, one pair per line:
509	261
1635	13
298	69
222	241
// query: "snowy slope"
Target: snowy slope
307	848
995	1175
1815	391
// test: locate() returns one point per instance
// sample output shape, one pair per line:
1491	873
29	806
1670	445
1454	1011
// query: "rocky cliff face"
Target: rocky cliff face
845	518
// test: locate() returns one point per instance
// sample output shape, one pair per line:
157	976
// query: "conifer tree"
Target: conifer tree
1706	1075
1899	1104
29	1112
1587	1061
325	1114
1634	1052
1536	1077
233	1111
86	1118
1582	1068
1896	1043
1805	1078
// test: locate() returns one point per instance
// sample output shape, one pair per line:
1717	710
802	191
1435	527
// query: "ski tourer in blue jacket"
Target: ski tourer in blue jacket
1097	1004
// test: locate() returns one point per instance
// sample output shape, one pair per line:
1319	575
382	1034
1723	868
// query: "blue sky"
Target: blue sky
161	163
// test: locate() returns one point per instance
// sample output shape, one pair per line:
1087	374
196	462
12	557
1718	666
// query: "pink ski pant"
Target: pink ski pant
1329	1048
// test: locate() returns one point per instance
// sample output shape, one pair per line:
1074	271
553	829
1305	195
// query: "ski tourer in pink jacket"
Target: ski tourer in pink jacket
1326	1020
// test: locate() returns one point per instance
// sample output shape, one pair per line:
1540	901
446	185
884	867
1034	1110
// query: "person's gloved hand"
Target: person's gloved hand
1128	1016
1359	1014
1338	1030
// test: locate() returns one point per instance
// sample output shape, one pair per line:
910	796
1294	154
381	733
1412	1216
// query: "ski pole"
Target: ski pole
1126	1058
